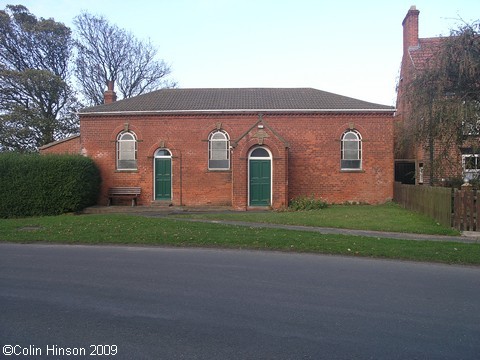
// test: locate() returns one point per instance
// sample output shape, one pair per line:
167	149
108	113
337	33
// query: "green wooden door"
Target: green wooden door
163	179
260	182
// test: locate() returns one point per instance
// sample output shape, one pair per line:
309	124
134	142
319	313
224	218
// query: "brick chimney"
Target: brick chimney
410	29
109	96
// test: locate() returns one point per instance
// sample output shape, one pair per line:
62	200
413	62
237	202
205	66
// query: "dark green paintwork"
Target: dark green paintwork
260	182
163	179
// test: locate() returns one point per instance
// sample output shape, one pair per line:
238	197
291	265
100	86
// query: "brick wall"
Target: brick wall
69	145
314	157
305	151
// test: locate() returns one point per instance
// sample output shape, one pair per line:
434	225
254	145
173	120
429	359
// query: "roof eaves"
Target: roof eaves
237	111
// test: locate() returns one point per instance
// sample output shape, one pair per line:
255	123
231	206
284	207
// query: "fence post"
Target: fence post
466	210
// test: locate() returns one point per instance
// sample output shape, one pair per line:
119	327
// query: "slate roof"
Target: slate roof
237	100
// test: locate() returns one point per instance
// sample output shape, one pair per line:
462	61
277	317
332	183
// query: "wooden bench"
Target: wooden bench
124	192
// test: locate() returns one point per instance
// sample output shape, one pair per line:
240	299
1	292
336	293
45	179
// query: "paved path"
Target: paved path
326	230
467	237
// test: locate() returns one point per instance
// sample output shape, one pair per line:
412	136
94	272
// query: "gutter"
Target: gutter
237	111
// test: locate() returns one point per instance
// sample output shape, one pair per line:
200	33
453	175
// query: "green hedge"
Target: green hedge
36	185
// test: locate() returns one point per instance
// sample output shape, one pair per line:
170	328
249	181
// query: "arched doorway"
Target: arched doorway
260	177
163	174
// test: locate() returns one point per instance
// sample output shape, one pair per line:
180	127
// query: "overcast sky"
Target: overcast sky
351	48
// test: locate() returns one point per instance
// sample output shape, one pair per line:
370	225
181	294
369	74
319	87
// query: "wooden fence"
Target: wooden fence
456	208
466	210
435	202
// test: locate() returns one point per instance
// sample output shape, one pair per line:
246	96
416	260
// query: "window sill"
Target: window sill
126	171
352	170
219	170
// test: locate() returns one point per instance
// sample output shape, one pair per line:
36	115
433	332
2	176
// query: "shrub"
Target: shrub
303	203
36	185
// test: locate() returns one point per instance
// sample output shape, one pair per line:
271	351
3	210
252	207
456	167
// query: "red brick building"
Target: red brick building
414	159
411	158
240	147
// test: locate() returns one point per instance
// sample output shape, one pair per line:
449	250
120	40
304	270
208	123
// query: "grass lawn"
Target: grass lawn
130	229
386	217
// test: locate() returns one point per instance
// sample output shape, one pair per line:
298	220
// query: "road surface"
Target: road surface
65	302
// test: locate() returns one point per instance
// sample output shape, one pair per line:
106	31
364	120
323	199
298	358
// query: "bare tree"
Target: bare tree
107	53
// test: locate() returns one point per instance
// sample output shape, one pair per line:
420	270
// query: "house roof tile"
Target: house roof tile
236	99
425	51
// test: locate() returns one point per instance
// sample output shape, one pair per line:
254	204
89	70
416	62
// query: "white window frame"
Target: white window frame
421	171
213	153
358	150
471	174
126	151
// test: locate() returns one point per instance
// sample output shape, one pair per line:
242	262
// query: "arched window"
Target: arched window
219	151
162	153
351	150
127	151
259	153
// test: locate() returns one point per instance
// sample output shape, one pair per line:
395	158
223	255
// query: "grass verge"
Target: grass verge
129	229
386	217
